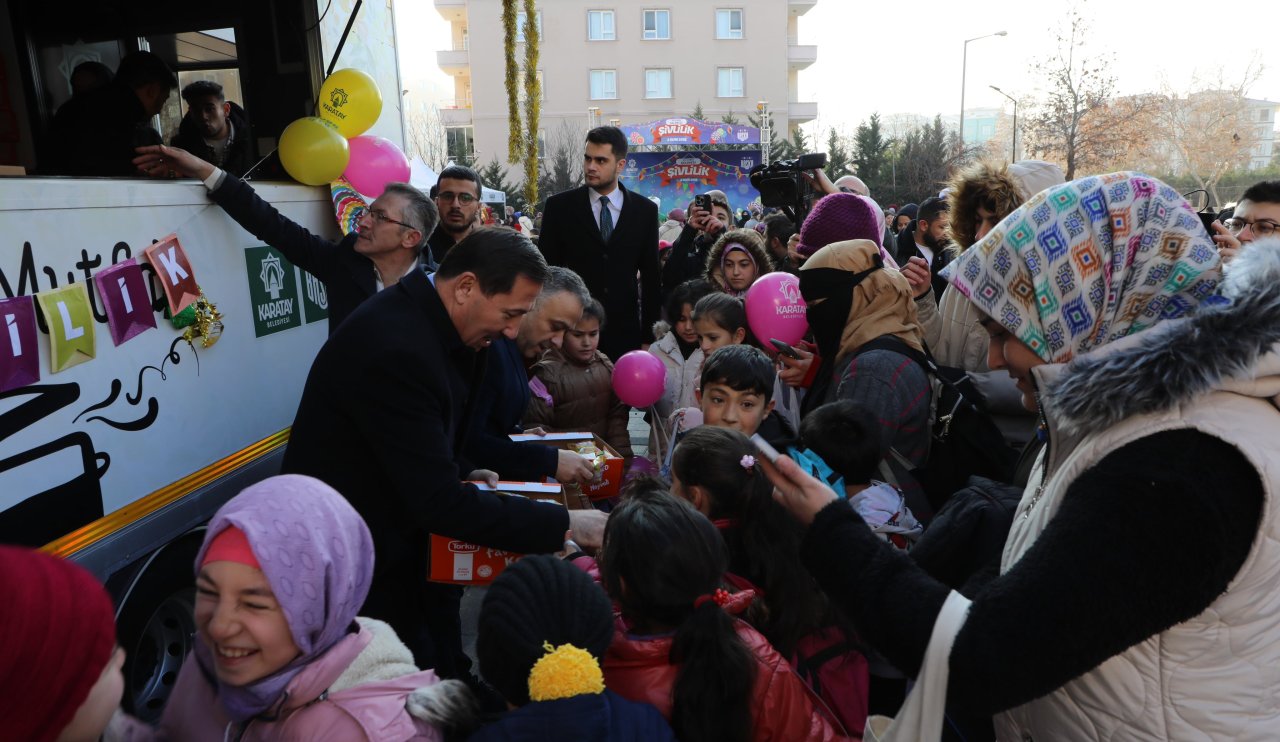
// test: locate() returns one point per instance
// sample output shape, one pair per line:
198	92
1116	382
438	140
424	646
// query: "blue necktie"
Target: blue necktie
606	219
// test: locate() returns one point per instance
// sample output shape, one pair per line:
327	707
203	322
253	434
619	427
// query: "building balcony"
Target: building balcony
452	10
454	61
456	113
795	7
800	56
798	112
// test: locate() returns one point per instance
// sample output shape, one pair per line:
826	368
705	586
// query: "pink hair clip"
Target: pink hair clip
747	462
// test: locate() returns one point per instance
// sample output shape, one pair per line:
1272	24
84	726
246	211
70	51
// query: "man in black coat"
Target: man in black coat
214	128
385	247
95	133
928	241
605	234
383	418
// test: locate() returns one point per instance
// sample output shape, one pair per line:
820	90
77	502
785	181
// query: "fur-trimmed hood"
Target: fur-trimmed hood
748	238
1231	343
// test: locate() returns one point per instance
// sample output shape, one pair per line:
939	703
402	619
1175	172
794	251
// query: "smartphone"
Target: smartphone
784	349
1208	218
766	450
703	201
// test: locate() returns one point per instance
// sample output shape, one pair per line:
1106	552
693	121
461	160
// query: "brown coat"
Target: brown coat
582	399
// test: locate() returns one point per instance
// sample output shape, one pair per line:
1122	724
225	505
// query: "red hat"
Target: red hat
58	633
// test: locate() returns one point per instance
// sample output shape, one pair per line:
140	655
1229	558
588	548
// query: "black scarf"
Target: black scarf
832	289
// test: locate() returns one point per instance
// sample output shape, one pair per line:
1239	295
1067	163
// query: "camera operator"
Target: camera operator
704	224
778	231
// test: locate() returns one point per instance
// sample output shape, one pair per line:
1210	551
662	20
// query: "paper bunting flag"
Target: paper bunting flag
348	205
175	273
123	291
66	311
19	354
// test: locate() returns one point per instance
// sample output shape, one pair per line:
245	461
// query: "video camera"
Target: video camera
783	185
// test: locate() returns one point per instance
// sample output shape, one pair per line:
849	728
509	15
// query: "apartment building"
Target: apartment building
622	61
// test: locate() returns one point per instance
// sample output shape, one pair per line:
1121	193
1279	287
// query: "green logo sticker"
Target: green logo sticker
273	291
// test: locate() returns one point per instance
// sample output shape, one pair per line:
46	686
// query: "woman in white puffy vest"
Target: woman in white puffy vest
1139	596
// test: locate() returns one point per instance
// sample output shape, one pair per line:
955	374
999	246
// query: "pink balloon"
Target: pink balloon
639	378
374	163
775	308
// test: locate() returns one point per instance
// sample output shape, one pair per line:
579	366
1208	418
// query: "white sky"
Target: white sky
896	57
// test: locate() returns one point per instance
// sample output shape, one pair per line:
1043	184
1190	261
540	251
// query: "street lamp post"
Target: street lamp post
1014	156
964	64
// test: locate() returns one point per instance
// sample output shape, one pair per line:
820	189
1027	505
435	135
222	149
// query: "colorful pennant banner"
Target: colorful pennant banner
123	291
70	320
174	271
19	354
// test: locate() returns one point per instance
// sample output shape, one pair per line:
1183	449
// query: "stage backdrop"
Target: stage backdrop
672	179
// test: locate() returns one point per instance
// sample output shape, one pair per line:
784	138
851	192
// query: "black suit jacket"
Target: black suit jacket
348	277
382	420
497	414
571	238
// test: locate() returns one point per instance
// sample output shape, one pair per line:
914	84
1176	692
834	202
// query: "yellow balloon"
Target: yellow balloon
313	152
350	100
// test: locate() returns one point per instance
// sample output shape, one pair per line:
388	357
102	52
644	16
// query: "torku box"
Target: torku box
457	562
608	483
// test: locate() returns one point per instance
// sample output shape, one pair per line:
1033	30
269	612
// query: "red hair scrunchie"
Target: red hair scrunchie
719	596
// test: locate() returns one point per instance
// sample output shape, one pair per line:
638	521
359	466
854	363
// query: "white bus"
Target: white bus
117	462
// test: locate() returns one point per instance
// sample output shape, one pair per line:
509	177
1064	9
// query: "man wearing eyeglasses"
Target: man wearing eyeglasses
1257	215
457	197
385	247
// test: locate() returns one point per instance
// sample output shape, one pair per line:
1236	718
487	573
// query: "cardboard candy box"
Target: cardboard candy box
609	464
460	563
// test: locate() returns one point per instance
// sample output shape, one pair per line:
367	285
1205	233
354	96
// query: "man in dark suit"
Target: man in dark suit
605	234
383	418
384	248
930	241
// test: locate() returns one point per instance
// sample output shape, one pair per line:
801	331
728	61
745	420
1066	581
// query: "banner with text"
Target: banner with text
683	130
672	179
273	291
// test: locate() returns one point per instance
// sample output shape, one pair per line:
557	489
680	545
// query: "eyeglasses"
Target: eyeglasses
381	216
462	198
1261	228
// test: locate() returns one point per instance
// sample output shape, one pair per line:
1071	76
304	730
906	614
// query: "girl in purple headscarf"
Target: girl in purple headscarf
280	654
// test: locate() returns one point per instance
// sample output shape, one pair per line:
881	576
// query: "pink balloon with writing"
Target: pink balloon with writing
775	309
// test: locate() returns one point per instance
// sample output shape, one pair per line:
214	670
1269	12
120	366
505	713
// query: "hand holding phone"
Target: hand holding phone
784	349
703	201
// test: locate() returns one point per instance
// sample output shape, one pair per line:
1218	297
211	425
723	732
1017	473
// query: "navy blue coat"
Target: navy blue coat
607	717
497	414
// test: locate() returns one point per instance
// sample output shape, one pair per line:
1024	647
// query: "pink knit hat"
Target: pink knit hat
840	217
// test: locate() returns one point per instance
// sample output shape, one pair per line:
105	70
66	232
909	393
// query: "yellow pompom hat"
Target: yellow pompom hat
564	672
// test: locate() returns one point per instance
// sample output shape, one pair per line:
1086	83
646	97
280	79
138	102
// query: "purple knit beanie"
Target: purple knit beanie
840	217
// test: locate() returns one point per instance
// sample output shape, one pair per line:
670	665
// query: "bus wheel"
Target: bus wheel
157	629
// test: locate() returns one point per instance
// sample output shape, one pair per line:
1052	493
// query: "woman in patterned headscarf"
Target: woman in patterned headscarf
1137	591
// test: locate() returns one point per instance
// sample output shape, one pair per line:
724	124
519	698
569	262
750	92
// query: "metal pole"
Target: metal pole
1014	101
964	66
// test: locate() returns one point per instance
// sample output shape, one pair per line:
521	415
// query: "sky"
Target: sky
877	57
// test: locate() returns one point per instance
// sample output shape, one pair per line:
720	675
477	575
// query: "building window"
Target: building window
657	24
460	143
520	25
542	88
600	25
729	23
657	83
729	82
604	84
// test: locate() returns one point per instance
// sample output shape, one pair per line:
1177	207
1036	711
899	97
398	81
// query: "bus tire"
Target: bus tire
156	627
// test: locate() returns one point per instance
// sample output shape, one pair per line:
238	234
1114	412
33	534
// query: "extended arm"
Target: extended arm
1143	541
